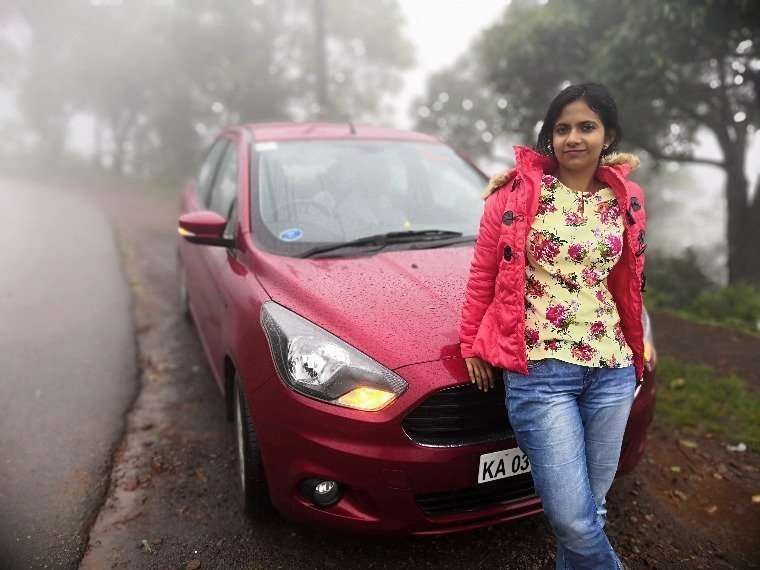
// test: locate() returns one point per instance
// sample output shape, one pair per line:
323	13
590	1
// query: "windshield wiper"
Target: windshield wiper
455	240
384	239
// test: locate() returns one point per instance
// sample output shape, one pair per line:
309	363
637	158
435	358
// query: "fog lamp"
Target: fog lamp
321	492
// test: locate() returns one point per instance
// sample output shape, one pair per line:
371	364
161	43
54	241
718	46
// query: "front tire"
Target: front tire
252	482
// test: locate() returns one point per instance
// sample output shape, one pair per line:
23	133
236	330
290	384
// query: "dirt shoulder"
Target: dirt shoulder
173	501
726	350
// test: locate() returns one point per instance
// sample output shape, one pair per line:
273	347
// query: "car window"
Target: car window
225	183
333	191
208	169
232	220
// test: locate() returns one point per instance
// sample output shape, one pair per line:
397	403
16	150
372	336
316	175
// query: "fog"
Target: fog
138	89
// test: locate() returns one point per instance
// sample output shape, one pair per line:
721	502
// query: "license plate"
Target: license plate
501	464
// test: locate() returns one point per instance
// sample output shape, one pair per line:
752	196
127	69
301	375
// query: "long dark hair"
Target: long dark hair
599	100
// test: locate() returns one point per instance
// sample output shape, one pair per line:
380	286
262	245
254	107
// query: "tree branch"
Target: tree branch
659	155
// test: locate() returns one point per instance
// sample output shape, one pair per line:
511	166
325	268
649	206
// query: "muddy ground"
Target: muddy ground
173	503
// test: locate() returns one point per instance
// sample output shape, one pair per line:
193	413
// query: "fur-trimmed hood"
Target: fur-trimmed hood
624	161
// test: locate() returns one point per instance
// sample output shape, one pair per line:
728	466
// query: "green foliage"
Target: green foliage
674	282
669	62
678	285
735	306
695	397
458	110
161	78
675	67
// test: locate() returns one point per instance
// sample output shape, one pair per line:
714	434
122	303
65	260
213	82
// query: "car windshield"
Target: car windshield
313	193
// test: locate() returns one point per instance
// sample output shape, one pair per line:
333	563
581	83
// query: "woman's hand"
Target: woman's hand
481	373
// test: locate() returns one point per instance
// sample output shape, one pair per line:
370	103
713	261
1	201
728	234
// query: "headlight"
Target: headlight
650	355
320	365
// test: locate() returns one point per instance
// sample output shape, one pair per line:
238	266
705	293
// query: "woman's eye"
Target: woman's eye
560	130
589	127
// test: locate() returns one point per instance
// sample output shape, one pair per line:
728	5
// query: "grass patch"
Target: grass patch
699	399
677	285
726	323
735	307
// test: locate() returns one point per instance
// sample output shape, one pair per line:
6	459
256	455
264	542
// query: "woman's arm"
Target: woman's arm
480	290
483	270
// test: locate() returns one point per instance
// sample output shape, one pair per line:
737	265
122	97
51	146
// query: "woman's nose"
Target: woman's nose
574	137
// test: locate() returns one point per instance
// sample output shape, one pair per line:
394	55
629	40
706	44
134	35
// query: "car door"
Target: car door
216	260
194	198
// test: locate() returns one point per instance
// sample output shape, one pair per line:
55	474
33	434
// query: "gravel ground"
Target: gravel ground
173	503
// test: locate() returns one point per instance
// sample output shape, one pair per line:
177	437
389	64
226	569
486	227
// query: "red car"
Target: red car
324	266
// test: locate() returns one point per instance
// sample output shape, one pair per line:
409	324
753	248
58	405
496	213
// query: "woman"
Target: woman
554	299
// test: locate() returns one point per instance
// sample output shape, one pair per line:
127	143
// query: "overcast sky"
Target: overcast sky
440	32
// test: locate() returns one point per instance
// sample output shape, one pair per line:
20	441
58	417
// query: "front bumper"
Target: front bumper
388	480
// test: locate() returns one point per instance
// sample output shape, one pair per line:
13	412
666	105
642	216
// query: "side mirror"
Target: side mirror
204	228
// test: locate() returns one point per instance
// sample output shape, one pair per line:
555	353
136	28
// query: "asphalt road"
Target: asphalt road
67	371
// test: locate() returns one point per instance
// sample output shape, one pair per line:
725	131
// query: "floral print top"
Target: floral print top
574	242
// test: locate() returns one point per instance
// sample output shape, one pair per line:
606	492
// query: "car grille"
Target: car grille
460	415
477	498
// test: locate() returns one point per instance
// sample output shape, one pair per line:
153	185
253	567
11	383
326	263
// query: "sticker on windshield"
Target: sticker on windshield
292	234
264	146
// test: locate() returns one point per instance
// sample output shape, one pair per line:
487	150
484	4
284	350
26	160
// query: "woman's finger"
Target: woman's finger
482	377
470	371
491	375
476	377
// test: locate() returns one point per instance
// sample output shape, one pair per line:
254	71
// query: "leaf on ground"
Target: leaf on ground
688	443
712	509
201	475
677	383
680	495
675	468
756	498
193	564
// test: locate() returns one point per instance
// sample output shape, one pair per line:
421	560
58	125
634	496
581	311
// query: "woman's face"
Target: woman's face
578	137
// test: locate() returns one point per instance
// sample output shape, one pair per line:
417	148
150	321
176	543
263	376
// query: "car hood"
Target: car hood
400	307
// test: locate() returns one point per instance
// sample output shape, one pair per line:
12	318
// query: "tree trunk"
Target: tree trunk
744	237
743	225
121	127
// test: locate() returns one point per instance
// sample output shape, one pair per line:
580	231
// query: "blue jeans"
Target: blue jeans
569	420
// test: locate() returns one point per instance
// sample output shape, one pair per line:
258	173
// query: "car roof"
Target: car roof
263	132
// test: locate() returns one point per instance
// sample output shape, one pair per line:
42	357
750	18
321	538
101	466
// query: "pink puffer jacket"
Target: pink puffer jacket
492	325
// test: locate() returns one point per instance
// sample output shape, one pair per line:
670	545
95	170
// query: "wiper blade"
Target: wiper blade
384	239
426	234
378	239
446	243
